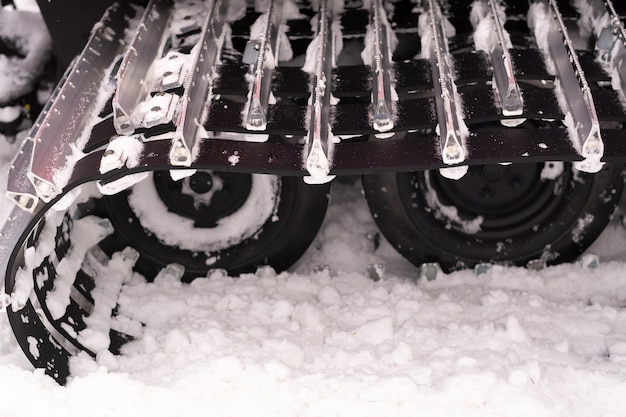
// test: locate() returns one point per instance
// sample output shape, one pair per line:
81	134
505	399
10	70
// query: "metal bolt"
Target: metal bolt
515	181
486	191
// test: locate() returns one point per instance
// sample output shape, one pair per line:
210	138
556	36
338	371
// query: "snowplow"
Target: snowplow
185	136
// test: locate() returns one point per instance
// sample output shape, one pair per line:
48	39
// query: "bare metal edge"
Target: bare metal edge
258	96
319	139
197	87
67	117
138	63
19	188
382	98
577	93
508	88
452	149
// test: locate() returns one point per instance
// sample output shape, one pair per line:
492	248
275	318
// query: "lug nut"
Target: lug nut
515	181
486	191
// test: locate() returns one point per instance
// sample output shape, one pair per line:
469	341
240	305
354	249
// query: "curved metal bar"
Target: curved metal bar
58	136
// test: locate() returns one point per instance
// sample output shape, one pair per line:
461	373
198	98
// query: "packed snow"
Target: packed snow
327	339
351	329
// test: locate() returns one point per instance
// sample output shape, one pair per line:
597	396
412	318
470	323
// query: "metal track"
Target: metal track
392	103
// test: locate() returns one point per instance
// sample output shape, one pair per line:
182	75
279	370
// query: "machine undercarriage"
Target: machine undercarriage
189	136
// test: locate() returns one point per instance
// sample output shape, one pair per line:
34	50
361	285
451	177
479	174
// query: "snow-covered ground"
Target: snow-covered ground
510	342
330	341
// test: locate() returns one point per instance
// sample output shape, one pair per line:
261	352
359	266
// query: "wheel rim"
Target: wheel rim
548	214
206	196
216	232
508	199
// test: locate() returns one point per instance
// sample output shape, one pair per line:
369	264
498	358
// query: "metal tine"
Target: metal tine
508	89
577	94
135	72
59	135
319	142
382	95
452	141
198	85
259	95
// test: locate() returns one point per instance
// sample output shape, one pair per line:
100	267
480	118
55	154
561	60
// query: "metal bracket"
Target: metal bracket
584	124
137	68
319	139
451	136
197	87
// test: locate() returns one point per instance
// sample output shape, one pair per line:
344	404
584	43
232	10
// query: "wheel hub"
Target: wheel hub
201	182
505	214
509	198
206	196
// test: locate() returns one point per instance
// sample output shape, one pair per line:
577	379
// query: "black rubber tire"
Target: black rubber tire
540	220
280	242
